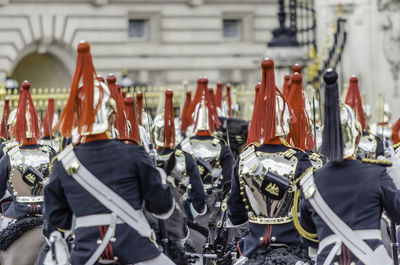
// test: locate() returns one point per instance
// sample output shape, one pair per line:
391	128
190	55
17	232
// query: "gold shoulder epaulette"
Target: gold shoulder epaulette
315	156
178	152
384	163
289	153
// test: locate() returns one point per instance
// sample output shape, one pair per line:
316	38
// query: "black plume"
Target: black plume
332	139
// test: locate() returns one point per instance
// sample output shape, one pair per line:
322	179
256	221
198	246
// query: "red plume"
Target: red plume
48	118
262	125
85	70
121	122
229	100
139	106
131	115
353	99
25	104
300	134
198	94
269	89
169	125
212	97
286	88
186	116
6	114
218	95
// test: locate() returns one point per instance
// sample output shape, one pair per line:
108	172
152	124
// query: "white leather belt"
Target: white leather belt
96	220
366	234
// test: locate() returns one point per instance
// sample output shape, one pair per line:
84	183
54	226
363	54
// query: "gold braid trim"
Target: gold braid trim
396	145
377	162
304	233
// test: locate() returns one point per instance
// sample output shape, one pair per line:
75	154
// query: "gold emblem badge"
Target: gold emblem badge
273	189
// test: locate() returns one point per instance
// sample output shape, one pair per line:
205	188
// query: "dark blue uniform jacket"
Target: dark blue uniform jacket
357	193
127	170
263	235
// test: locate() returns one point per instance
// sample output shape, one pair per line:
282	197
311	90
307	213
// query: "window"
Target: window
232	29
139	29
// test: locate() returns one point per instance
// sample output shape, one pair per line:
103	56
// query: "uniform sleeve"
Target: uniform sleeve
226	159
237	212
157	196
57	213
196	193
390	196
4	173
306	220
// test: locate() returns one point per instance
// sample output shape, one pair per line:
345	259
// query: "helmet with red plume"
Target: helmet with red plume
300	134
205	118
89	106
27	122
6	114
132	118
271	114
353	99
186	117
121	122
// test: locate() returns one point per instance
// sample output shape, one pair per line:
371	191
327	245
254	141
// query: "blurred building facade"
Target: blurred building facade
163	42
159	42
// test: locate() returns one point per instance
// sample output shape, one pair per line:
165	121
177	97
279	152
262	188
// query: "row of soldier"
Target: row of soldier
112	191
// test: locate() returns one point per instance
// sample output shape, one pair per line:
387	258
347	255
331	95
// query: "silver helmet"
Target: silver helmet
158	129
106	108
351	130
201	117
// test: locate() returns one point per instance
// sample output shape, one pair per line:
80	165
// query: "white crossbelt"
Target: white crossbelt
96	220
353	240
366	234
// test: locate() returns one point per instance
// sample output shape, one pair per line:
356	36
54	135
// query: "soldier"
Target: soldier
346	220
179	165
50	119
214	157
264	179
104	183
25	165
